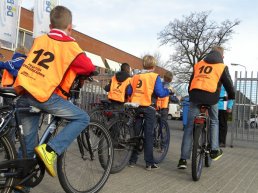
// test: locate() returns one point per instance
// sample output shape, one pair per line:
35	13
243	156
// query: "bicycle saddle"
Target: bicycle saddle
132	105
203	107
8	92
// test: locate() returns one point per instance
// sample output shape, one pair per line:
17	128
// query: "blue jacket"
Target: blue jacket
172	96
224	103
13	65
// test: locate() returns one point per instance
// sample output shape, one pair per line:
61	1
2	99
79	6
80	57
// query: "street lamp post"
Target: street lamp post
234	64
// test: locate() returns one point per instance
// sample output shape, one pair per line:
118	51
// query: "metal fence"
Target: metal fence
93	92
245	110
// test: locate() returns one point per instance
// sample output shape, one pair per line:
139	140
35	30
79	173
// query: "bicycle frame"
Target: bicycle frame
28	163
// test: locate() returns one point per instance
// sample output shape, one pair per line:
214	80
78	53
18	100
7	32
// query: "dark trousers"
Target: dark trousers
149	121
164	114
223	126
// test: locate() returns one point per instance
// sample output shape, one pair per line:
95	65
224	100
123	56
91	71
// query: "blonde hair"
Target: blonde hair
168	76
218	49
149	62
60	17
22	50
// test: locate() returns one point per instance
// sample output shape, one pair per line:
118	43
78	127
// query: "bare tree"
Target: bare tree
157	56
192	37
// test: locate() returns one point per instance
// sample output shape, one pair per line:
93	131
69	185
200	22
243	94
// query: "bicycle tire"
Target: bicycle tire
161	141
86	175
120	133
7	152
99	114
197	152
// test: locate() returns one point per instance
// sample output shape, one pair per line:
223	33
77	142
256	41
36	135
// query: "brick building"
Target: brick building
106	57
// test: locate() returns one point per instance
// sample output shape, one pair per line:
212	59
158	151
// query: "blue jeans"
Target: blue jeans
194	110
149	114
57	106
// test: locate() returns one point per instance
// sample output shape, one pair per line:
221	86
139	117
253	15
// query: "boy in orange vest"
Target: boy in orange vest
117	88
44	79
162	103
144	89
204	88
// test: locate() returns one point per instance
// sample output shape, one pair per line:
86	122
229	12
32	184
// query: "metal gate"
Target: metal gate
244	126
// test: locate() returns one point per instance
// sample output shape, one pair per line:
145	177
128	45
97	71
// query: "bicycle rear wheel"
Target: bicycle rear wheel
101	115
161	141
83	173
7	152
198	151
121	134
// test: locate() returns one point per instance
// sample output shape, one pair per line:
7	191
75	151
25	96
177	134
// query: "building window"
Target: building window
7	45
25	39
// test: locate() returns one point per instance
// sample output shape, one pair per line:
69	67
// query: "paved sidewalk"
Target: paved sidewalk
235	172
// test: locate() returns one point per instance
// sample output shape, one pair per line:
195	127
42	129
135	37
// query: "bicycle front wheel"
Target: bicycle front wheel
7	152
198	152
79	169
161	141
121	134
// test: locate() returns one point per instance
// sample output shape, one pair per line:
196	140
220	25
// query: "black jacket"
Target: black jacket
203	97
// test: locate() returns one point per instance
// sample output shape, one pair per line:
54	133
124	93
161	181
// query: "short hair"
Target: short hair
22	50
60	17
168	76
218	49
149	62
125	67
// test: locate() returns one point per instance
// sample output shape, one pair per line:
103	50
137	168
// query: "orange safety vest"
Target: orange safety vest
118	89
207	76
143	87
7	79
64	88
46	66
162	103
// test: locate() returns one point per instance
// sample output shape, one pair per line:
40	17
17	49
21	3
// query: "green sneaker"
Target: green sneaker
48	158
216	154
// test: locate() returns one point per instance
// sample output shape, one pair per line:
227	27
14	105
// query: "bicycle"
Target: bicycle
201	142
104	112
94	142
125	140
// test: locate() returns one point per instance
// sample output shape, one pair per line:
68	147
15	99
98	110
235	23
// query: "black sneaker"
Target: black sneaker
131	164
152	167
182	164
216	154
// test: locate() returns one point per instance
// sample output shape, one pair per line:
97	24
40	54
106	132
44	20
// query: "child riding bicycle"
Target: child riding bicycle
204	88
44	80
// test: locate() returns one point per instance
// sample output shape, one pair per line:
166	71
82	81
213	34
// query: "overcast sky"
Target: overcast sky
133	25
